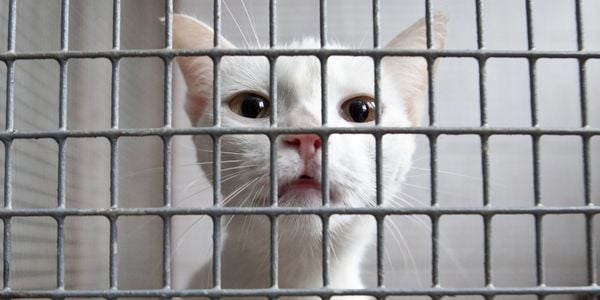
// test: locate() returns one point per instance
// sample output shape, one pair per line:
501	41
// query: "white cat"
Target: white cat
245	103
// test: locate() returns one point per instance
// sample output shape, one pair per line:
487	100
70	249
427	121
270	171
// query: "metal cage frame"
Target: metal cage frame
166	133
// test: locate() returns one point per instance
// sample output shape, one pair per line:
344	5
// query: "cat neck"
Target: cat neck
246	254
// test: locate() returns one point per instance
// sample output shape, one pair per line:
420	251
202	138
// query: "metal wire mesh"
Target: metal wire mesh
167	211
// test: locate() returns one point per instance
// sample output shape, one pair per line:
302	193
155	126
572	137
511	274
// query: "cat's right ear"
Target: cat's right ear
189	33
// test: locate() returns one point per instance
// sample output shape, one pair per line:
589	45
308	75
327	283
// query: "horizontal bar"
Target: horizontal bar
323	53
276	211
321	292
220	131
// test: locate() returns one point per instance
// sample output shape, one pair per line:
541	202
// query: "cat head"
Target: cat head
350	103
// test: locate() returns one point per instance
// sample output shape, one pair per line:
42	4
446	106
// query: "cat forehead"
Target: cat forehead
300	75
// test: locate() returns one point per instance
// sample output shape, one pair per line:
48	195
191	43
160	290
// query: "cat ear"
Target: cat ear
189	33
410	73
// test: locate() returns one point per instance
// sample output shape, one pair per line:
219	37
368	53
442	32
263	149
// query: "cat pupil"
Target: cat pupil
359	110
253	107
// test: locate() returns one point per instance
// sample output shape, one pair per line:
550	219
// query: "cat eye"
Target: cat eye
250	105
359	109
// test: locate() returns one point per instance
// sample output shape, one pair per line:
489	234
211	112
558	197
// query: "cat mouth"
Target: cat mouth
303	190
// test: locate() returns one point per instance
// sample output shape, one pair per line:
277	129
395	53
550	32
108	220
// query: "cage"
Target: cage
104	199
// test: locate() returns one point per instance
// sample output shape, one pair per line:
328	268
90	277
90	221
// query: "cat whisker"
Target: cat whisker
222	152
419	220
251	24
402	243
236	24
157	169
224	179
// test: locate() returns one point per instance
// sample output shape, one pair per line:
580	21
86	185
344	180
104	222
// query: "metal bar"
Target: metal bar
304	292
63	105
591	238
434	218
216	259
324	52
168	79
60	221
272	23
167	202
321	211
539	244
323	23
433	130
325	242
592	266
479	23
487	220
7	253
380	250
12	26
113	260
376	24
274	258
428	24
217	23
323	16
60	253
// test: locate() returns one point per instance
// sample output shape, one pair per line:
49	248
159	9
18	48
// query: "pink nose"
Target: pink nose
307	145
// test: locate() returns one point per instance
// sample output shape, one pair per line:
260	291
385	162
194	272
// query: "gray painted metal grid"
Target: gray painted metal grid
166	133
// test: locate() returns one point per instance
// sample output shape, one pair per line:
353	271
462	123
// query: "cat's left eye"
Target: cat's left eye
359	109
250	105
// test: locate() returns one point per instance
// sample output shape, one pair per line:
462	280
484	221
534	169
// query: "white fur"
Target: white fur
245	255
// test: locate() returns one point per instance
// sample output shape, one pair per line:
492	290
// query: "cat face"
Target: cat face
245	102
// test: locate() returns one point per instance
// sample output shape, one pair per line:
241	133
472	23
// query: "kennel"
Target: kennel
66	196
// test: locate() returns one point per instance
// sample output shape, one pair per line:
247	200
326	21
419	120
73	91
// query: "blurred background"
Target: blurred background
245	23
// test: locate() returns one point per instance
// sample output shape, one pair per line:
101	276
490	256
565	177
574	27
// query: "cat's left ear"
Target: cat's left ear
410	73
190	33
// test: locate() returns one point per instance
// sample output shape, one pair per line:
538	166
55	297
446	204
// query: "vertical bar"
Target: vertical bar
113	259
376	24
12	25
539	251
168	80
8	169
379	177
326	251
167	202
434	218
64	85
323	23
479	22
592	256
7	253
7	242
587	162
168	146
272	23
487	220
217	23
428	23
114	148
273	142
216	262
217	149
60	259
380	251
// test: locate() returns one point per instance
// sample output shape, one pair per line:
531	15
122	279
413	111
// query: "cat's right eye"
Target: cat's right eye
250	105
